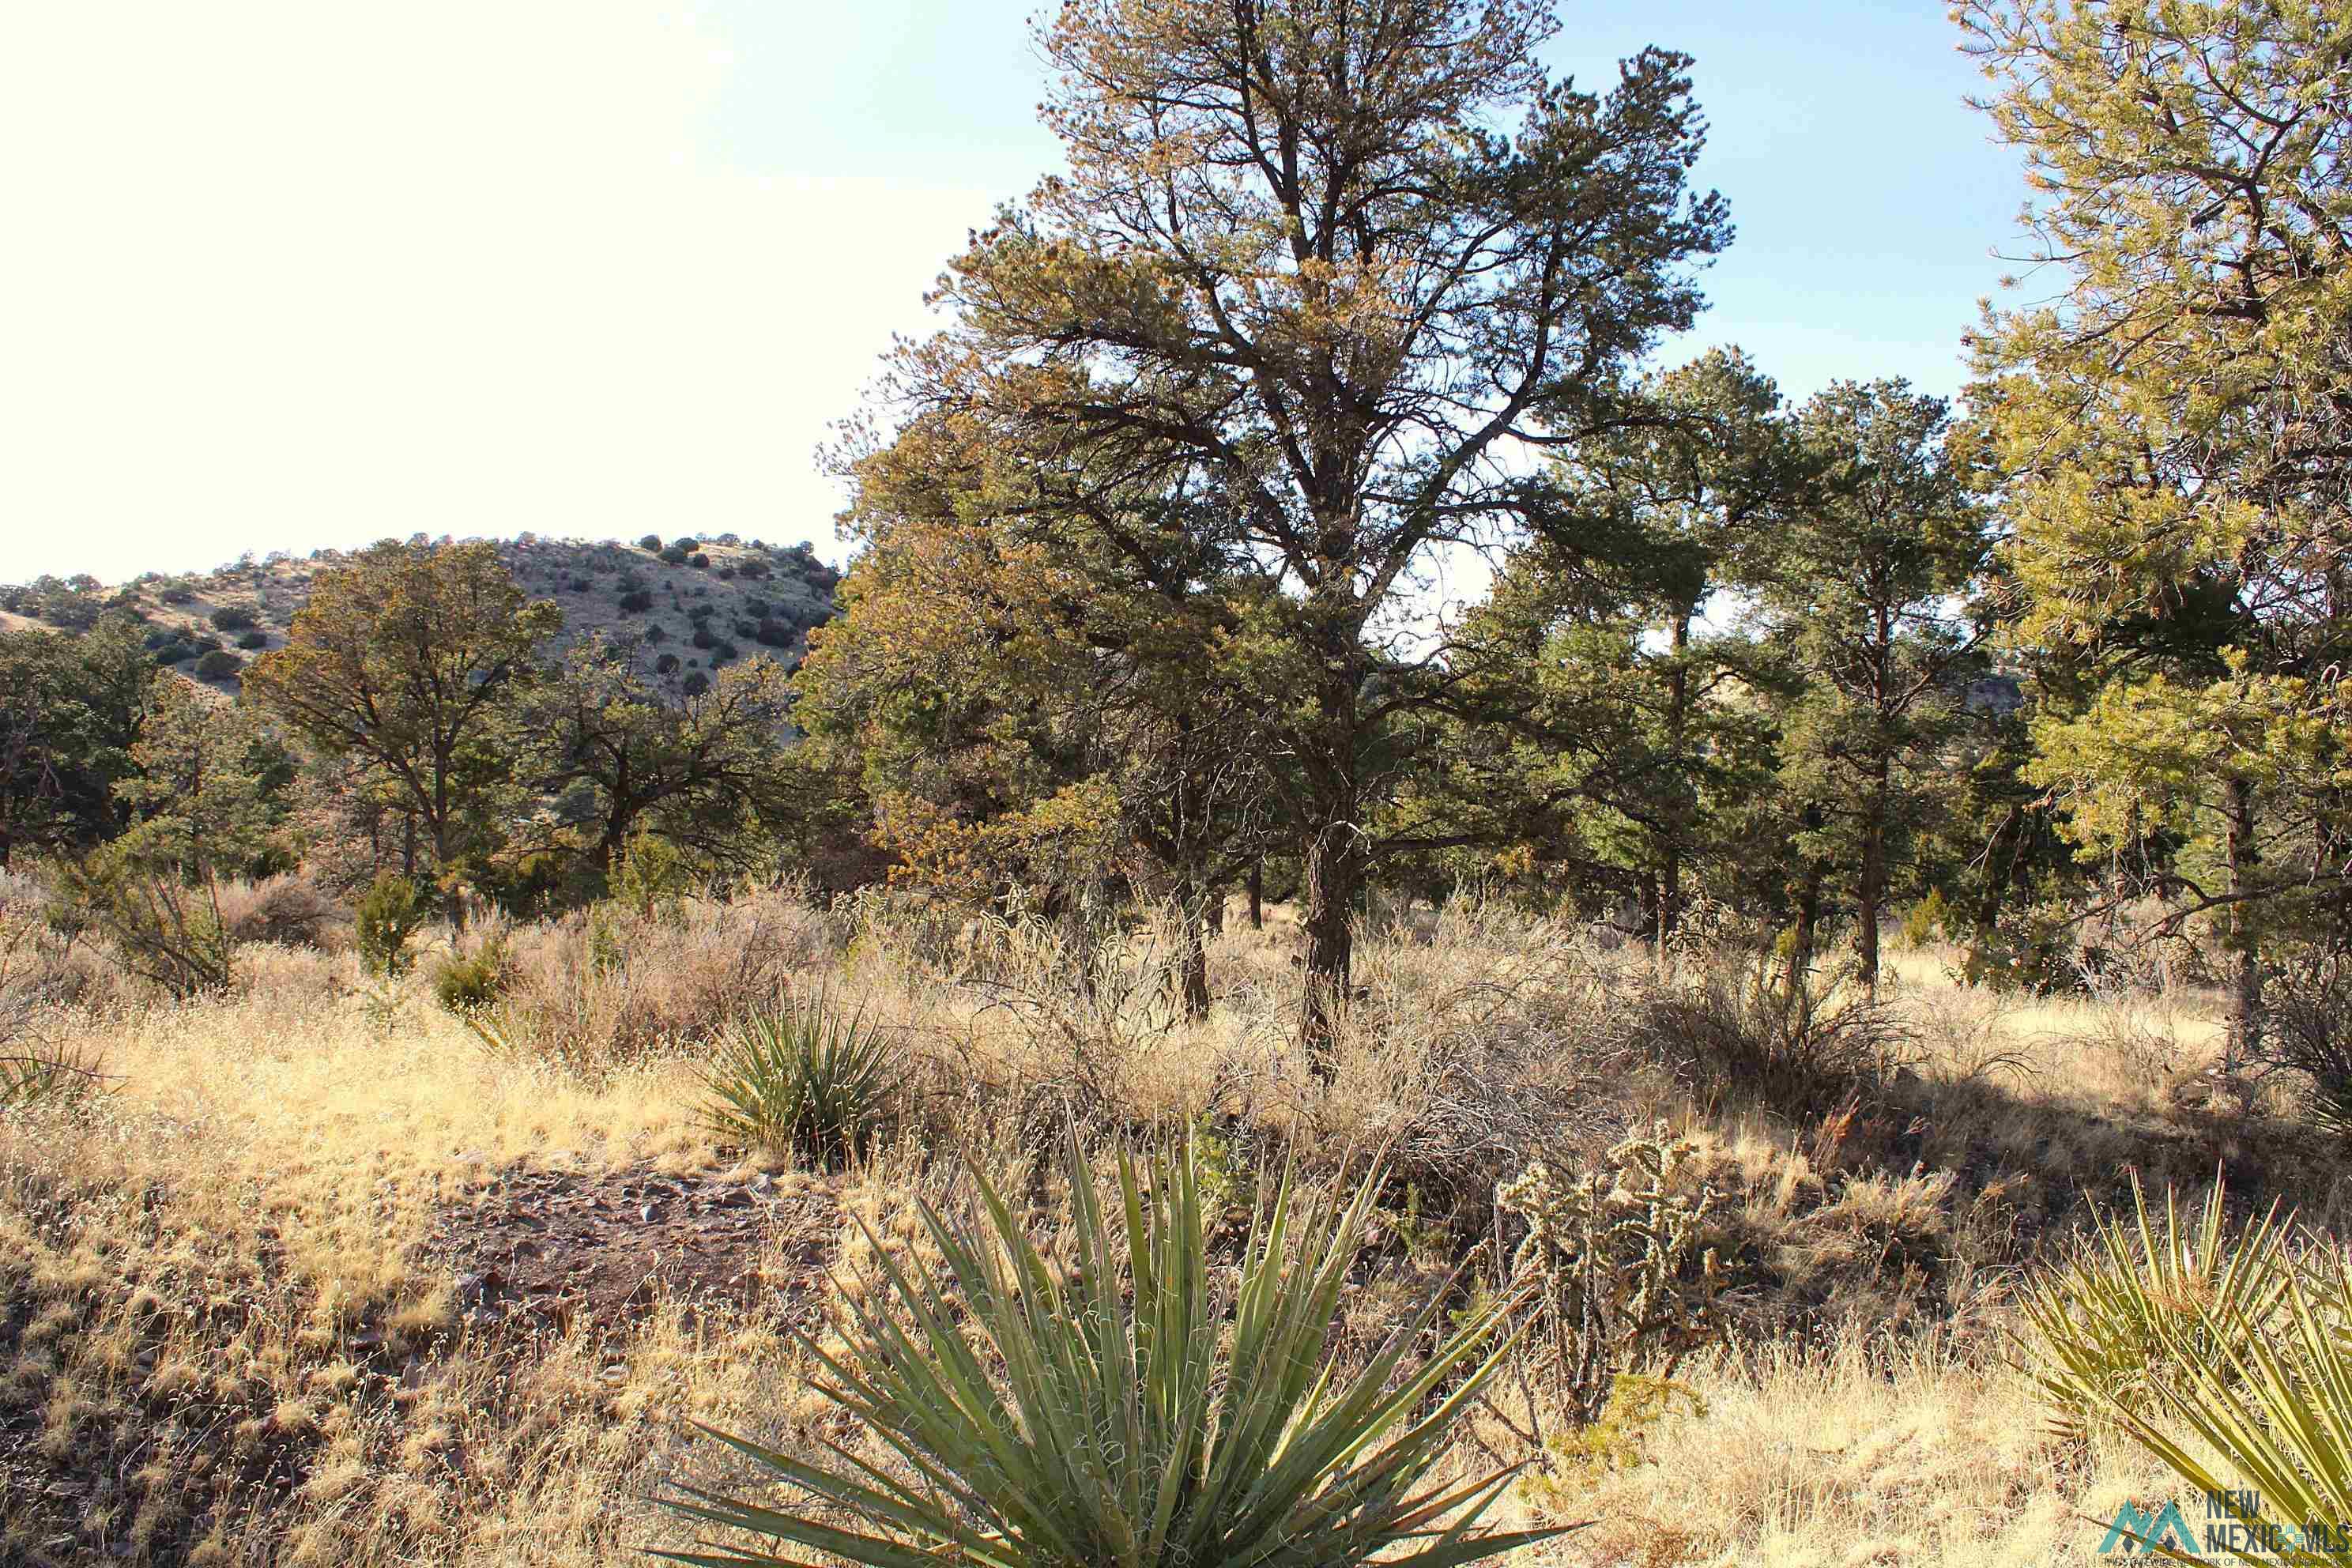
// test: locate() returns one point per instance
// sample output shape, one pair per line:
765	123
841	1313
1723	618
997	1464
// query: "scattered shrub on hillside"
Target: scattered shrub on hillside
174	650
160	926
652	875
656	633
233	618
606	987
636	602
2027	950
1619	1260
665	665
254	641
725	651
703	638
581	584
205	642
695	685
389	913
219	665
1143	1416
699	561
806	1079
175	593
758	609
774	633
651	541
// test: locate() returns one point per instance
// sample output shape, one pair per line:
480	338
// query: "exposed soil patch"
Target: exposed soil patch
543	1249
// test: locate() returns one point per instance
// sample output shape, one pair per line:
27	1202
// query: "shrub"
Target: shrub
581	584
176	651
389	913
232	618
287	909
219	665
635	601
774	633
466	983
2307	1030
803	1080
673	556
1138	1418
254	640
1927	920
703	638
1800	1051
695	685
651	541
656	633
699	561
2110	1326
175	593
725	651
665	665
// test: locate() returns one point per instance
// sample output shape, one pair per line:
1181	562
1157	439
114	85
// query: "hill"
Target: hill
706	602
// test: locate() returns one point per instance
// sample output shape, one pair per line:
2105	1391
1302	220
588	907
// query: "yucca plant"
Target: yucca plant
1119	1413
2237	1343
2116	1320
805	1078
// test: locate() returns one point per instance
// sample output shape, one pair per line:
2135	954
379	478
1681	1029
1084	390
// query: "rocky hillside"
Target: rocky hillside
705	601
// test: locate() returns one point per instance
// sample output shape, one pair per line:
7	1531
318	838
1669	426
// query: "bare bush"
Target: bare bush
609	985
288	909
1733	1032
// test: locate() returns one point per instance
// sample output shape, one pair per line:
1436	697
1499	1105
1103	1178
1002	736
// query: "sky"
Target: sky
285	274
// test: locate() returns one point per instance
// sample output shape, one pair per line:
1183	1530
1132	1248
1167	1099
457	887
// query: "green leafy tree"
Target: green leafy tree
410	658
701	769
1031	714
2174	431
1330	266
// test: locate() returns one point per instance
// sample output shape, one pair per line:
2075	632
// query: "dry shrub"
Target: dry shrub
1736	1035
610	986
290	909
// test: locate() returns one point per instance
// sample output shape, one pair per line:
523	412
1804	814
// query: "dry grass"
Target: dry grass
222	1338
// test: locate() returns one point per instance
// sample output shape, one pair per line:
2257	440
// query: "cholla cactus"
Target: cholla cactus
1617	1250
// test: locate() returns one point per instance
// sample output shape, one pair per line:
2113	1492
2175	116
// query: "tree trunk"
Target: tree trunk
1257	895
1870	895
1335	877
2244	1037
1808	915
1195	976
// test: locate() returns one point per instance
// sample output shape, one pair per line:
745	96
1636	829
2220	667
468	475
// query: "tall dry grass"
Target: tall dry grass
221	1338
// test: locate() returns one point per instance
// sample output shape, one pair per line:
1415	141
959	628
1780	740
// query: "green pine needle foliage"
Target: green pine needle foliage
1118	1414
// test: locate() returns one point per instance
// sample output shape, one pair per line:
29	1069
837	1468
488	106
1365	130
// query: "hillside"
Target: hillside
704	602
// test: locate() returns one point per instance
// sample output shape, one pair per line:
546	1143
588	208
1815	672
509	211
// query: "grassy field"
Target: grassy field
244	1316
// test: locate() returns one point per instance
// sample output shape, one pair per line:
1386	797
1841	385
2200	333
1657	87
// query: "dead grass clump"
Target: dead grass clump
610	986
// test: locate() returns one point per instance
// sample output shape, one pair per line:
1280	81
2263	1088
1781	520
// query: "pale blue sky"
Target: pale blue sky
286	274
